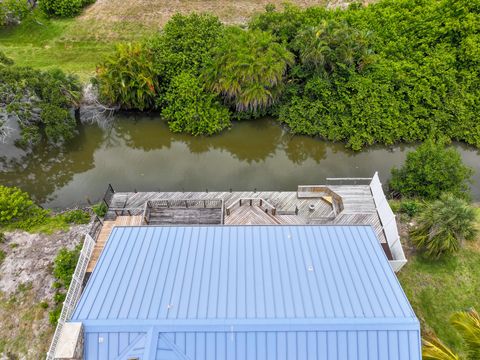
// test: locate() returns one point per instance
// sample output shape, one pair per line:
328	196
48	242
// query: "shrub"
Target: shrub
443	225
16	206
193	110
431	170
54	315
64	8
410	207
77	216
100	209
13	11
247	69
128	78
184	44
64	265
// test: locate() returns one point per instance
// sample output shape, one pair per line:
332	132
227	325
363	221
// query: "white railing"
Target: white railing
73	293
389	224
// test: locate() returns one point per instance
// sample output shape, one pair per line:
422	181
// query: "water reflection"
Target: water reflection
139	152
45	169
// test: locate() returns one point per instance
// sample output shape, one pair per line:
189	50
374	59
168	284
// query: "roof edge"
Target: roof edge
235	325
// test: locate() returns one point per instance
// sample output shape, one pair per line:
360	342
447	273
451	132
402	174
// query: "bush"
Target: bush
13	11
443	225
184	45
247	69
431	170
128	78
63	268
100	209
64	265
193	110
16	206
76	217
64	8
410	207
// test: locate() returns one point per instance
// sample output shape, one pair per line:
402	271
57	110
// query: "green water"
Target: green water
140	153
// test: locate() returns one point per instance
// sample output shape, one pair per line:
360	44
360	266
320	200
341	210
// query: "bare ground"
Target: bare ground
26	291
155	13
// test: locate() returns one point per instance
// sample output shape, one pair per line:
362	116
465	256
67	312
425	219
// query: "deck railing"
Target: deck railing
74	291
389	224
349	181
262	203
108	197
152	205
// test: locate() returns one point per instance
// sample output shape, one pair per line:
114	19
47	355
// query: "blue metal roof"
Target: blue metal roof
246	292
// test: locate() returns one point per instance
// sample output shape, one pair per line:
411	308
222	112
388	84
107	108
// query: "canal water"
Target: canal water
140	153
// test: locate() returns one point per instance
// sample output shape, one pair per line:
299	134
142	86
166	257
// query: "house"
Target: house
240	276
245	292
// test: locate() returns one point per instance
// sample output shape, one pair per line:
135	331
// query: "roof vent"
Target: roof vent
311	207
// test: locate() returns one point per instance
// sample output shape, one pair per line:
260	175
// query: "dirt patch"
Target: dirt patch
26	293
157	12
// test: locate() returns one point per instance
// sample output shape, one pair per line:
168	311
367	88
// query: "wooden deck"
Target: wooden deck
175	216
105	233
290	208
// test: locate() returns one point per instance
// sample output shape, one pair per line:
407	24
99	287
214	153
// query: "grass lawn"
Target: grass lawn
436	289
70	44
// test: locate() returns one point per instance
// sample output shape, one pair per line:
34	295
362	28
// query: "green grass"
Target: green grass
436	289
73	45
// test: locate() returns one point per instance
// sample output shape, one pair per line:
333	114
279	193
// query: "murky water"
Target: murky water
140	153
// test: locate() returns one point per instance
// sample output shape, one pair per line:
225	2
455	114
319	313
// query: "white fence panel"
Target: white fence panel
389	224
73	293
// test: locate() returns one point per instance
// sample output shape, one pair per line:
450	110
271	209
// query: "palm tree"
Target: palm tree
247	69
467	323
333	45
443	225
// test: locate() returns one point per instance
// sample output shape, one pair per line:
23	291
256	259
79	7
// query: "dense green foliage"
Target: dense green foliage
63	269
17	207
64	8
443	225
64	265
13	11
128	77
397	70
76	216
100	209
163	73
184	45
18	211
402	70
247	69
42	102
431	170
191	109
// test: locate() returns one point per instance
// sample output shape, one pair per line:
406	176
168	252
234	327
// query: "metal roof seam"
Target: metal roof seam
363	266
379	255
348	266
